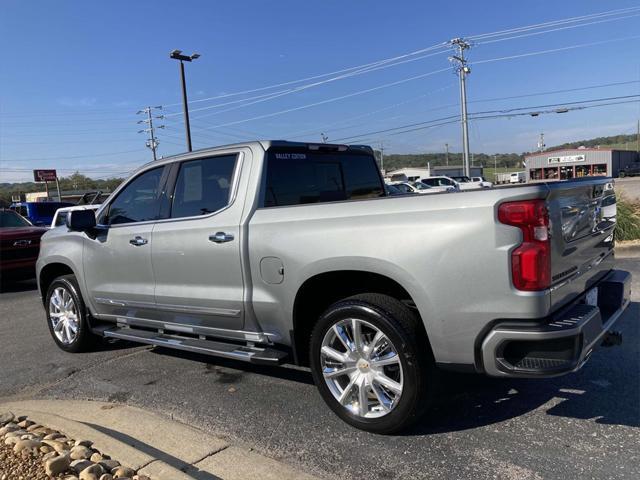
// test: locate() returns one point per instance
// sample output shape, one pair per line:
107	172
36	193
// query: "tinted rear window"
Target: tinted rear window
295	178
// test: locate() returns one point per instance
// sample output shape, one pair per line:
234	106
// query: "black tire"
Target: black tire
84	340
400	325
622	174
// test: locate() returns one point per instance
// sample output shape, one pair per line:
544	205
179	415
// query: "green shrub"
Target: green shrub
627	220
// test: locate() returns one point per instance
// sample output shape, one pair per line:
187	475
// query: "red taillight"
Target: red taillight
531	260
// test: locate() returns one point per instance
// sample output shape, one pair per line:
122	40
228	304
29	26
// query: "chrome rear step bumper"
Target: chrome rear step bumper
246	353
561	343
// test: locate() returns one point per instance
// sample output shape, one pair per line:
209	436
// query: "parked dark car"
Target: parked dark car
19	246
631	170
39	213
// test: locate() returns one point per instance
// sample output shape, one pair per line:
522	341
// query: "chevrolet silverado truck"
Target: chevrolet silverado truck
276	252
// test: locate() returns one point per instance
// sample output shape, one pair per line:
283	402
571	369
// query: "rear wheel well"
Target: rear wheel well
49	273
319	292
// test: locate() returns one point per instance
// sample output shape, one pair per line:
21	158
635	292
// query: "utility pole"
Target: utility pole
462	69
152	141
382	157
638	138
446	153
324	137
177	55
541	144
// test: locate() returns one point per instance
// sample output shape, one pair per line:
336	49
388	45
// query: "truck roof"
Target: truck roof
264	145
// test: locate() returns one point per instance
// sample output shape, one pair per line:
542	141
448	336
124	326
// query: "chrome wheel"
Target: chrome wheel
362	368
63	315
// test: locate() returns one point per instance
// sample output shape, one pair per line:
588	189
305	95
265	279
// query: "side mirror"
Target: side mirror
81	220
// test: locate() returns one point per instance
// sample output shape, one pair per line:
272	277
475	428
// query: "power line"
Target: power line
72	157
245	102
314	77
554	23
553	50
504	113
513	37
360	92
334	99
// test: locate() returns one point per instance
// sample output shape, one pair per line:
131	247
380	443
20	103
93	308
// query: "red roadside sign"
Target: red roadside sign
44	175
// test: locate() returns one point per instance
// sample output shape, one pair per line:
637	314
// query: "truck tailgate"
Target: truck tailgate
582	216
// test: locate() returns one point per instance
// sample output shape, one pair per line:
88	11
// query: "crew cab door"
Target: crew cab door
117	260
196	251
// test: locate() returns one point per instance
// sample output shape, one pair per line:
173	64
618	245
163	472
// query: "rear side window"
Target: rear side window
203	186
314	177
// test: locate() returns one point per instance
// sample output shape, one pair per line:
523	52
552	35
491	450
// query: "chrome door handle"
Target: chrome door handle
221	237
138	241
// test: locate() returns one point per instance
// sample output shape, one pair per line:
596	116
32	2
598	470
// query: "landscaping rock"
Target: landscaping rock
106	476
49	455
25	423
26	444
109	465
6	418
57	465
122	472
83	443
80	465
53	436
10	427
93	471
96	458
80	452
56	445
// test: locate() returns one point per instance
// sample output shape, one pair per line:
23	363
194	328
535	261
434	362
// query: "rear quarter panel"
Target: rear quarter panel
446	250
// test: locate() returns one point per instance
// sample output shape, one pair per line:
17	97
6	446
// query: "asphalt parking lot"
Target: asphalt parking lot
585	425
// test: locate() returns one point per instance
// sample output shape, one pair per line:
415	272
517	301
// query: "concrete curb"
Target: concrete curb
630	249
160	448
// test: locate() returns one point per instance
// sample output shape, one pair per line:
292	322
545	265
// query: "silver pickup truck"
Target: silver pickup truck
278	252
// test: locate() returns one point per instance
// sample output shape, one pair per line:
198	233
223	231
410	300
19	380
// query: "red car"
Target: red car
19	246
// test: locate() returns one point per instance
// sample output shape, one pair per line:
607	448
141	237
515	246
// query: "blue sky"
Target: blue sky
76	72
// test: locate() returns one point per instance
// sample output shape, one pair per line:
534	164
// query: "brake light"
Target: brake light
531	260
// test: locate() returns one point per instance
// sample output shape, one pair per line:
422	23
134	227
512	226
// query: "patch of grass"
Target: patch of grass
627	220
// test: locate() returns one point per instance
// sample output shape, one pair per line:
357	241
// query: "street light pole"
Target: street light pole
177	55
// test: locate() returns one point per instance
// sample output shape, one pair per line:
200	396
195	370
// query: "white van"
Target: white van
518	177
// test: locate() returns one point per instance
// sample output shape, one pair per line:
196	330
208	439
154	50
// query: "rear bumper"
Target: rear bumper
561	343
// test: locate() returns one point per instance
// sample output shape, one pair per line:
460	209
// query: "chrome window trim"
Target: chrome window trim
232	195
235	180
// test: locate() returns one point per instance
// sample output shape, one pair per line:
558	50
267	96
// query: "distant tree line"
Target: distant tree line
394	161
76	181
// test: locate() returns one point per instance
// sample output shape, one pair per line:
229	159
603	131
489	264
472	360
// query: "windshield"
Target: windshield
12	219
421	186
462	179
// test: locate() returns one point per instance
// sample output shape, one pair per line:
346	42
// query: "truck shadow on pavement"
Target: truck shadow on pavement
606	390
17	287
191	470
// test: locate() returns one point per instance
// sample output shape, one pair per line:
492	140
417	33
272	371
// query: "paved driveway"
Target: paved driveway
586	425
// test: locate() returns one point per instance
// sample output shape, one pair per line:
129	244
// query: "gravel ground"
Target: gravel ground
584	425
18	467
